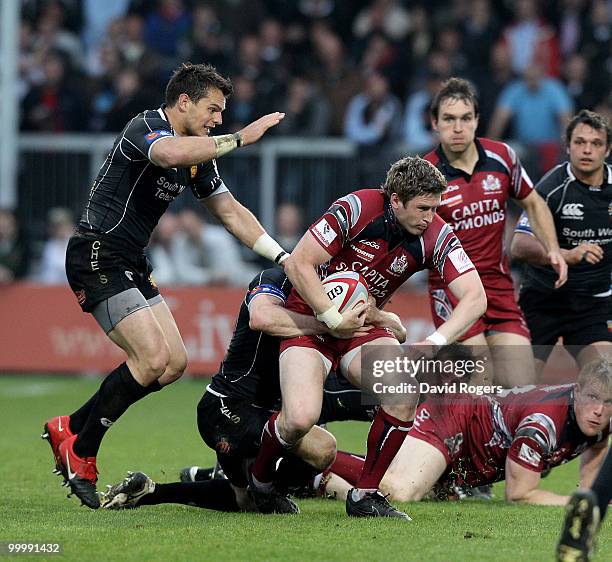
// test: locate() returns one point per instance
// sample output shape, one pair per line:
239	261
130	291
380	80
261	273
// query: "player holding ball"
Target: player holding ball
386	235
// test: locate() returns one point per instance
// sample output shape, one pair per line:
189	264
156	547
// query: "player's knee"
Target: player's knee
327	453
176	366
297	424
153	364
400	492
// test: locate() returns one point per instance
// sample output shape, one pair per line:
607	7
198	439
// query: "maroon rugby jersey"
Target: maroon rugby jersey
475	206
362	234
534	427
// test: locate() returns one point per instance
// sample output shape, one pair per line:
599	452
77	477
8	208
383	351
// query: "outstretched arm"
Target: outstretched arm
243	224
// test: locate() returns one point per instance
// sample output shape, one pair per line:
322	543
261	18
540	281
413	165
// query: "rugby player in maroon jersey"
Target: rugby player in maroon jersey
461	440
482	176
387	235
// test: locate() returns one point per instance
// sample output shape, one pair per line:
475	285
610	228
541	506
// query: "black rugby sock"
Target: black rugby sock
603	485
293	473
209	494
117	393
78	418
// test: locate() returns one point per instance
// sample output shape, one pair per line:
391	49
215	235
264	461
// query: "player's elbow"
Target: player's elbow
259	321
164	155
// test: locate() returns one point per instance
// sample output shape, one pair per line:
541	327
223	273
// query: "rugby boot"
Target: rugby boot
127	493
199	474
81	473
57	430
579	528
372	504
271	501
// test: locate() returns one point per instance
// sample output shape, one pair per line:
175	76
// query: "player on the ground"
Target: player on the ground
585	513
240	399
579	195
465	440
158	154
483	175
387	235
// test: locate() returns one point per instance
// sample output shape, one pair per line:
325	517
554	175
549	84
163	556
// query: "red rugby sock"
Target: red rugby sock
347	466
272	448
384	440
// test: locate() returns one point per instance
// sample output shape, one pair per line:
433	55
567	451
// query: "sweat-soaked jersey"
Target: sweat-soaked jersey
475	207
361	234
131	193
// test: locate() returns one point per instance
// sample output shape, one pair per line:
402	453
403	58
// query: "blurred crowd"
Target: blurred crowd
186	249
363	70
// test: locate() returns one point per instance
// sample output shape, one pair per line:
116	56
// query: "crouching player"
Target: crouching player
238	403
476	440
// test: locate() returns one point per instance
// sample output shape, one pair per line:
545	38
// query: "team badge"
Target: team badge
194	171
399	265
80	295
491	184
453	444
152	281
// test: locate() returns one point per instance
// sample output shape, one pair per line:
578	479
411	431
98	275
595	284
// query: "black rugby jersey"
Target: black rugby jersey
131	193
250	369
582	213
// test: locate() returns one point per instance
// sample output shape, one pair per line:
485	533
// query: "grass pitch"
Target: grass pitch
159	436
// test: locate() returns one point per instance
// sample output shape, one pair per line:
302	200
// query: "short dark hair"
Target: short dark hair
413	176
457	89
195	81
592	119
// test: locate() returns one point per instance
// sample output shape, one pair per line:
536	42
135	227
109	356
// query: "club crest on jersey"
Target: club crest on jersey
398	265
453	444
491	184
193	171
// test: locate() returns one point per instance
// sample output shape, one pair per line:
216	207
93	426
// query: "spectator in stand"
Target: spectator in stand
334	72
576	80
52	267
244	108
14	251
56	105
289	225
386	16
373	114
570	27
160	250
206	254
491	83
307	112
207	40
449	43
418	134
539	108
480	30
531	40
596	45
130	98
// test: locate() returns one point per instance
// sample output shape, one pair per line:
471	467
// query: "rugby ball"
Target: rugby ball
346	289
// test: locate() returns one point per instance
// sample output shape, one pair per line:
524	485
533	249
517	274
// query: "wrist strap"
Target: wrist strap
437	339
331	317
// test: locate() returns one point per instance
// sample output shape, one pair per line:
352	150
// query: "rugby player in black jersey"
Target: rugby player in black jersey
579	195
158	154
240	399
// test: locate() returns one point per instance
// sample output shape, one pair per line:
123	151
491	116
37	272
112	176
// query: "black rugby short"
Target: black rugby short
580	320
232	428
99	267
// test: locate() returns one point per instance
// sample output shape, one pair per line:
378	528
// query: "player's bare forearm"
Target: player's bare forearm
301	270
528	248
542	497
277	321
384	319
472	304
178	152
590	463
235	217
541	220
